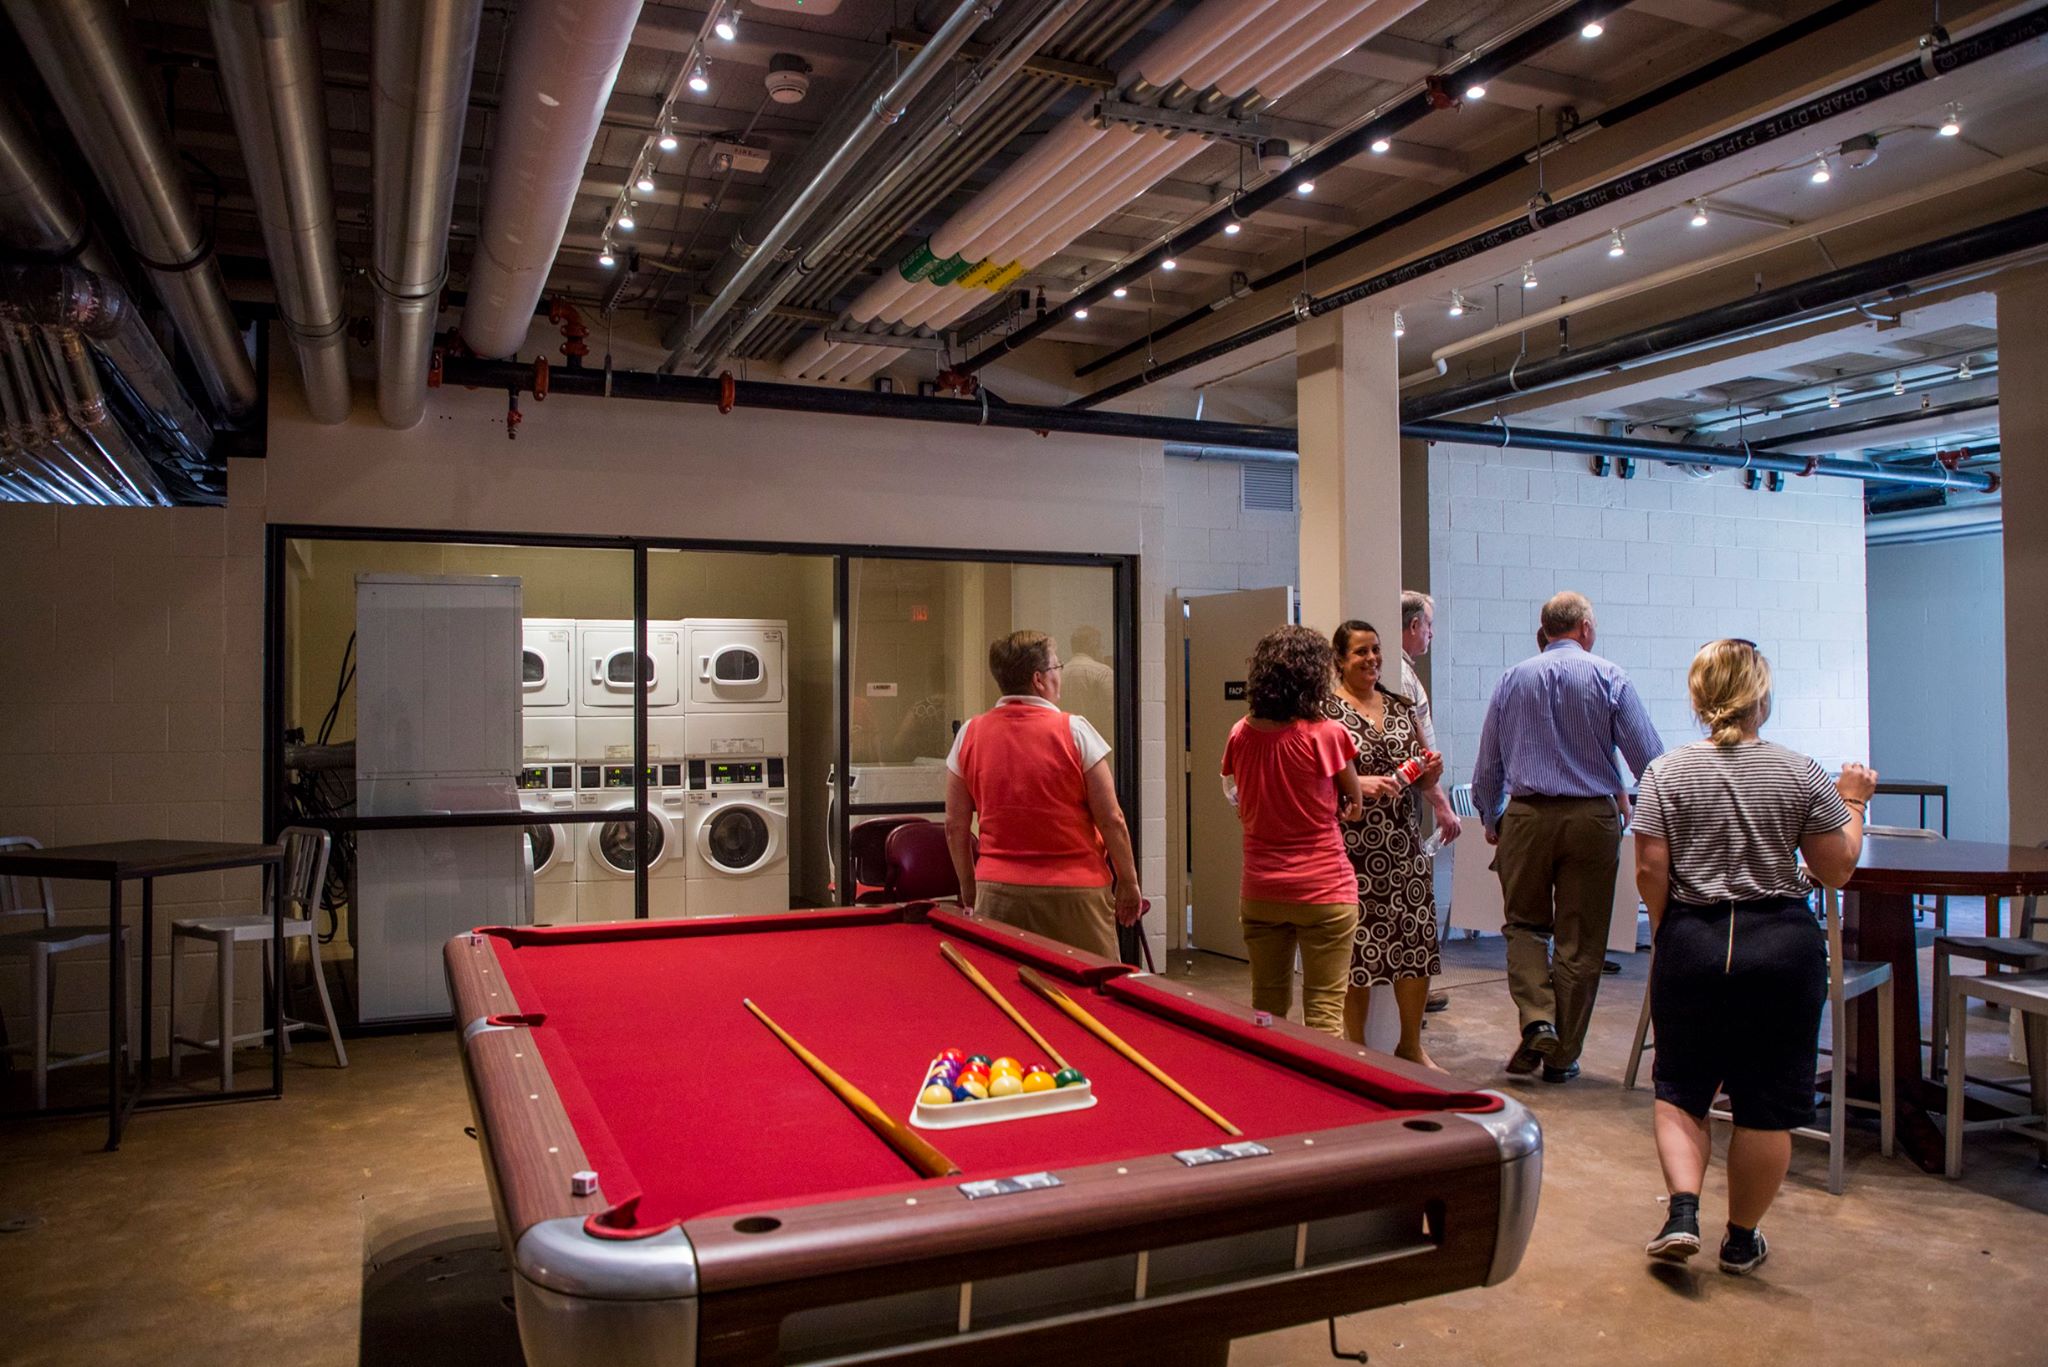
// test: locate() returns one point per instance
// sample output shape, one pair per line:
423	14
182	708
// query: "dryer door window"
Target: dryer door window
736	839
615	671
533	671
735	667
615	844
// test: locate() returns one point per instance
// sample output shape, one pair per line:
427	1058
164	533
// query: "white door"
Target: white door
1221	631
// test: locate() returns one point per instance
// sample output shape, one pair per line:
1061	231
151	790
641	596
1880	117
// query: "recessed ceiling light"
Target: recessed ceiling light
1081	315
1593	29
1119	292
1232	229
1475	91
1381	145
1169	264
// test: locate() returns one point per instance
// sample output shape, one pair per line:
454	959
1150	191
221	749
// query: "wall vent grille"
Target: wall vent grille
1267	488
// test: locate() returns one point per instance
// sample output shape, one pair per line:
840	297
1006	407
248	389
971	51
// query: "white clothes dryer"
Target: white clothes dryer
547	671
736	664
606	858
736	836
735	735
552	849
605	674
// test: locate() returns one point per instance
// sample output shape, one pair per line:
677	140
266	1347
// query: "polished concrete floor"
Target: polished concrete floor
349	1224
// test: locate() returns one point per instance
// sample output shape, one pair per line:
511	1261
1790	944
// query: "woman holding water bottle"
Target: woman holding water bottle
1396	939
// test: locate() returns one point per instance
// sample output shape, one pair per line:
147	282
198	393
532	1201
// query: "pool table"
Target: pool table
741	1213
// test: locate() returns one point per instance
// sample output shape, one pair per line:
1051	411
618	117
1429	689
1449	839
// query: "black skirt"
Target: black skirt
1736	992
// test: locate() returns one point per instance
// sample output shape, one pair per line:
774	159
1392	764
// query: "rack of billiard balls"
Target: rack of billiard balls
957	1083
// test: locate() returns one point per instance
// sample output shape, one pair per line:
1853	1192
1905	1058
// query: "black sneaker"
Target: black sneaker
1743	1254
1552	1073
1677	1241
1539	1038
1438	1001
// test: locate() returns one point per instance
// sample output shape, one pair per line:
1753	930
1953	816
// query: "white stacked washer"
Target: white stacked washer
736	737
550	786
604	695
606	857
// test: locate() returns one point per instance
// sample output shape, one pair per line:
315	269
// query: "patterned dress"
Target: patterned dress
1396	887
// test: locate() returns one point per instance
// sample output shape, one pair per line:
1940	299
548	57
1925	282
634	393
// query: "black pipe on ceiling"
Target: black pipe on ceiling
1878	423
517	377
1531	42
980	412
1501	170
1893	277
1799	118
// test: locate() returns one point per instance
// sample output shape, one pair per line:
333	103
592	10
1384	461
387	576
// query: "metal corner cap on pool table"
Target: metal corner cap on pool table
1515	1129
562	1256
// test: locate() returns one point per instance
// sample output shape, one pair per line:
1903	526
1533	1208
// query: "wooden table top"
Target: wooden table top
1965	867
111	859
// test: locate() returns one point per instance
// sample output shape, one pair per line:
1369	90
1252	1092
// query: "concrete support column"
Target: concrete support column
1348	387
2023	438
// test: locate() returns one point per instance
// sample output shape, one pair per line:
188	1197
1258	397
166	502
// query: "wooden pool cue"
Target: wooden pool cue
1081	1017
974	975
909	1145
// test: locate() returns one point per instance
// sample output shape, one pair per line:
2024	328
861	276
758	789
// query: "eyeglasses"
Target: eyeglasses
1052	669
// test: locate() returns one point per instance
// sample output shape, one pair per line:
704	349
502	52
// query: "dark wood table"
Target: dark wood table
114	863
1877	924
1922	789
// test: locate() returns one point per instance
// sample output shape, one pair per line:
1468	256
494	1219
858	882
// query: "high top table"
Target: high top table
1877	924
114	863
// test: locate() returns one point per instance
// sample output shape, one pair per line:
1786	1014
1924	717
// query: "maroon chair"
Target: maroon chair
868	858
920	864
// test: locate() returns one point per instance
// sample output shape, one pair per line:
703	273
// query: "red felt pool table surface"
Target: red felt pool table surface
686	1105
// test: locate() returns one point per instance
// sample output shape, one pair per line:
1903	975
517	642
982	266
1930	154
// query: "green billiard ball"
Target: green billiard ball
1067	1077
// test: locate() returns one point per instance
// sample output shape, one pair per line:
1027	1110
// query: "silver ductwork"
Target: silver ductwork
270	68
564	57
66	432
83	50
422	55
40	217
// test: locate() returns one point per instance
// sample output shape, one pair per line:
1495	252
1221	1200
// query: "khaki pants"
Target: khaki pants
1557	863
1323	931
1082	917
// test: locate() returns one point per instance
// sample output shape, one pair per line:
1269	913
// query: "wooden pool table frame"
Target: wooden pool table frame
1377	1213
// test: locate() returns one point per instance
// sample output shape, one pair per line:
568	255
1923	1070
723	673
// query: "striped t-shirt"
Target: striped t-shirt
1734	816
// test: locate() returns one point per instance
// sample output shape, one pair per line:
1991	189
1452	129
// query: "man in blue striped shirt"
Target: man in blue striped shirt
1551	799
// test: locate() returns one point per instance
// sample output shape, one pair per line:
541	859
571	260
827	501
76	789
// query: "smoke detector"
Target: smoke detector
1274	156
789	78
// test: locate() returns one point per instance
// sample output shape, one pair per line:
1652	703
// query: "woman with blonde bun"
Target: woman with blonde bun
1740	971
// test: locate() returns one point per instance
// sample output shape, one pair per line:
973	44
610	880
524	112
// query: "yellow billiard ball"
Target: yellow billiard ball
1039	1082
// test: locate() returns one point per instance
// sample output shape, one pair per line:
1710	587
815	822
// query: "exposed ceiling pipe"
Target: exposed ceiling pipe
989	77
1506	55
1236	455
422	54
930	60
269	52
1860	212
40	216
1892	276
64	453
1880	423
75	298
1192	433
31	475
559	71
85	403
87	58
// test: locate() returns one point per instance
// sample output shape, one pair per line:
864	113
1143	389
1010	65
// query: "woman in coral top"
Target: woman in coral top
1289	772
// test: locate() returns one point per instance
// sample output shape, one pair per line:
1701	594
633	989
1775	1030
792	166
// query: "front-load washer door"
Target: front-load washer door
740	838
547	848
612	844
736	666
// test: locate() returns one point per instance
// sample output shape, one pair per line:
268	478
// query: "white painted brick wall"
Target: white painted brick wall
1212	545
1669	562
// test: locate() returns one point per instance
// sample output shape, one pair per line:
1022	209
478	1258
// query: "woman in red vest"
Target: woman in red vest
1051	828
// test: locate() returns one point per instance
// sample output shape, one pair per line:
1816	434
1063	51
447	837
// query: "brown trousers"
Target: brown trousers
1557	862
1082	917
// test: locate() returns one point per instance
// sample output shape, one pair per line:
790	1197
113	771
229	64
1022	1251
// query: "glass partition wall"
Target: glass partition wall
498	730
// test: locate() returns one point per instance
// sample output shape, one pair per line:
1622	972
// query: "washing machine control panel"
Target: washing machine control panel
714	775
543	777
615	776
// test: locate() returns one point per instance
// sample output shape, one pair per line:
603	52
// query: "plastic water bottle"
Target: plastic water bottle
1433	844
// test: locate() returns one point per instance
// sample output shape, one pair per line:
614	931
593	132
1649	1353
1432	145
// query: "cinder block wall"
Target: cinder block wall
1670	562
131	697
1213	545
